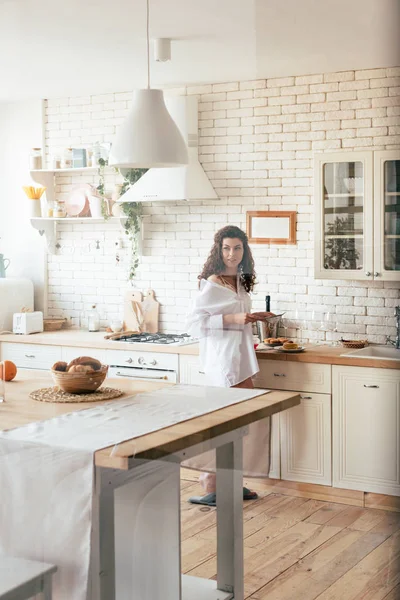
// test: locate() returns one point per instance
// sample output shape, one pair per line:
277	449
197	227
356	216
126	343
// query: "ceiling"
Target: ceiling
54	48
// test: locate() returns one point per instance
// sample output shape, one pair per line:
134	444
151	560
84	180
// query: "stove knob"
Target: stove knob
142	362
129	360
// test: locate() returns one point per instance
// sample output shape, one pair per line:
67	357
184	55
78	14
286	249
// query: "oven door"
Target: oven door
137	373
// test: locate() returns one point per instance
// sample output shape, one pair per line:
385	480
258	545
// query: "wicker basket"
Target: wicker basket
355	344
53	324
79	383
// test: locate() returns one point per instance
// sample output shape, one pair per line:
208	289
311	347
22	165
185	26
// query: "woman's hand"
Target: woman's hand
239	319
261	316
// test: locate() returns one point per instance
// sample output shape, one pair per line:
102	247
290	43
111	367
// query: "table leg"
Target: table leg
147	533
47	587
230	519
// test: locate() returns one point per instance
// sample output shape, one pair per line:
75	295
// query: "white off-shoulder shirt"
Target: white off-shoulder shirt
227	354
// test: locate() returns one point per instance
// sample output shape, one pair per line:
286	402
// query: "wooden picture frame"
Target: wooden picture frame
271	227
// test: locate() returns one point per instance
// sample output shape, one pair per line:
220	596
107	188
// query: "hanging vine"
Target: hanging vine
102	164
133	211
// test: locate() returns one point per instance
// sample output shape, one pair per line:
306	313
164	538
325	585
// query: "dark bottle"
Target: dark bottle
268	303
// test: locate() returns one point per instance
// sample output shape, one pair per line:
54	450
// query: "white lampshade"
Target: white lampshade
149	136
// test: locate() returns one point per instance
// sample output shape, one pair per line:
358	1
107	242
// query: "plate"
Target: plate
294	351
77	203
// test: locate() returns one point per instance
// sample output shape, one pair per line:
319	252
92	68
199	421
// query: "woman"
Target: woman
222	321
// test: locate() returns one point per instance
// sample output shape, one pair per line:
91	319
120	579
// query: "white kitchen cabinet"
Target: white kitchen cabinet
30	356
366	429
190	371
305	440
357	215
301	436
286	375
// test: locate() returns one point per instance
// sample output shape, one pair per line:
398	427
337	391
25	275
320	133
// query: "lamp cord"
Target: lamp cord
148	42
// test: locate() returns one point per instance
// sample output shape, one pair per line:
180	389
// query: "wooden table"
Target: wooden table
136	511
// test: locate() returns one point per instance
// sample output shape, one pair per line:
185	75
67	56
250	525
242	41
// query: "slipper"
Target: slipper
249	495
207	500
211	499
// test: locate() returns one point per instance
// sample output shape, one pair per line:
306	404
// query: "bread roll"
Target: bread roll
85	361
60	366
290	346
81	369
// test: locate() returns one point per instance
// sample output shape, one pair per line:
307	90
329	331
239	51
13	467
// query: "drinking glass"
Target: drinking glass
300	325
331	325
285	323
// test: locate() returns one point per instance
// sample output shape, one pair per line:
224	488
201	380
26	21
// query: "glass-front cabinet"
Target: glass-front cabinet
357	216
387	214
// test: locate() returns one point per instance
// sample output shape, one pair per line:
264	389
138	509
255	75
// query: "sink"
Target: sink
375	352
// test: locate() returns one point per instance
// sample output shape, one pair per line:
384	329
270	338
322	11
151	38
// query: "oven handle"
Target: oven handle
119	374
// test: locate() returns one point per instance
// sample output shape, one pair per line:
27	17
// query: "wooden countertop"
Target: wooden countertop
328	355
87	339
76	338
20	410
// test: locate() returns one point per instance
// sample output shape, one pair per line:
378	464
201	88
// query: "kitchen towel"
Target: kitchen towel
47	473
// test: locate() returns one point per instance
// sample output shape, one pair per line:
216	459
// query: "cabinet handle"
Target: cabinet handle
279	375
201	373
306	397
368	273
29	355
119	374
376	274
371	386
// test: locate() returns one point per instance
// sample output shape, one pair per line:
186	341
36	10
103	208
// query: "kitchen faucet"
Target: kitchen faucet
396	343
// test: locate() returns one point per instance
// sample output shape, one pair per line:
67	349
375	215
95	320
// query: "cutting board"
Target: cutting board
150	308
132	307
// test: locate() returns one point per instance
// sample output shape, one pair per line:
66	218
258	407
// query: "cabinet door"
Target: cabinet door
366	429
387	215
190	371
343	215
306	440
287	375
30	356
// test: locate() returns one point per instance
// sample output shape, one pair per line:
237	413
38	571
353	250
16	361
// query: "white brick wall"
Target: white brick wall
257	141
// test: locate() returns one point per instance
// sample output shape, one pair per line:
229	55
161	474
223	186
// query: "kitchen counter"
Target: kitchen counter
328	355
322	354
87	339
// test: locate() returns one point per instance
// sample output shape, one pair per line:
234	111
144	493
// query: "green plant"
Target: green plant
133	212
340	251
102	163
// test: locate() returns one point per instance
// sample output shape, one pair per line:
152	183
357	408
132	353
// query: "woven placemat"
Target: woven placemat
54	394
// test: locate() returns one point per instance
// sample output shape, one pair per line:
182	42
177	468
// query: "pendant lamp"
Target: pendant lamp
149	136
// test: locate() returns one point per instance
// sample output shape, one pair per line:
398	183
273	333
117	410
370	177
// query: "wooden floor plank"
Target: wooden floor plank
394	594
372	578
347	517
297	548
283	552
326	513
323	567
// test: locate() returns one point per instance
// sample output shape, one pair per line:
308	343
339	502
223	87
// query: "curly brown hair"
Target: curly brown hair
215	265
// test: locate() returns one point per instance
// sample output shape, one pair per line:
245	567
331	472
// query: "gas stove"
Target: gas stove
172	339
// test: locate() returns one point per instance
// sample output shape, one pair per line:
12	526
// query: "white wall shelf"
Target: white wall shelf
70	170
48	226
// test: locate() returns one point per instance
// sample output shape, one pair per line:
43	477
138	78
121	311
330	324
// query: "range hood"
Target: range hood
177	183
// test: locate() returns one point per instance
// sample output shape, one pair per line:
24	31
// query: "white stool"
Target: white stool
21	579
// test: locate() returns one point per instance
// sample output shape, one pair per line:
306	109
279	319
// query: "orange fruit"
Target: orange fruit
8	370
